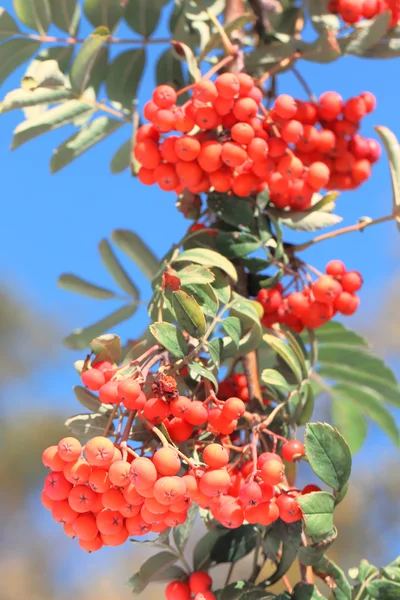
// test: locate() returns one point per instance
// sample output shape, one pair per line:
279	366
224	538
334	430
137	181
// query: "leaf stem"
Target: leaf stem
226	42
357	227
304	84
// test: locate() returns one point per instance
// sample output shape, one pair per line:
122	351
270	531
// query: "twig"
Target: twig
230	571
304	84
111	419
357	227
226	42
280	65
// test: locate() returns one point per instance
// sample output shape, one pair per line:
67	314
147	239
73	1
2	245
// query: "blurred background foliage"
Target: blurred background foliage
38	563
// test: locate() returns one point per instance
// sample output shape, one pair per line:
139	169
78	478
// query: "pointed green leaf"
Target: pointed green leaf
371	404
87	426
151	570
66	15
181	534
138	252
232	210
317	510
84	62
234	545
124	76
232	327
170	337
91	401
189	314
208	258
368	33
103	12
221	287
51	119
328	454
290	535
116	270
392	146
384	590
202	550
350	421
35	14
326	567
8	26
196	369
14	53
306	220
286	353
236	244
106	347
169	70
194	274
73	283
22	98
88	136
143	15
275	379
205	297
122	158
80	338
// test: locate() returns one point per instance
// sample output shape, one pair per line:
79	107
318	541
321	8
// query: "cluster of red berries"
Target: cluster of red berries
351	11
102	496
231	143
197	586
316	303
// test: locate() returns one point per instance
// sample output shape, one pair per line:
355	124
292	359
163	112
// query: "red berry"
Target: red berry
293	450
93	379
351	281
215	456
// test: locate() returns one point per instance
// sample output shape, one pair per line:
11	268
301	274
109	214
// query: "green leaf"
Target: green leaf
241	590
85	59
350	421
90	135
189	314
22	98
66	15
181	534
151	570
208	258
232	327
221	287
274	379
186	55
195	274
393	151
326	567
286	353
215	347
202	550
88	425
307	220
91	401
143	15
196	369
234	545
122	158
8	26
371	404
320	16
205	297
80	338
290	535
124	76
236	244
317	510
51	119
391	573
170	337
106	347
14	53
248	311
116	270
306	408
172	573
138	252
62	54
368	33
305	591
35	14
169	70
328	454
78	285
233	25
232	210
103	12
384	590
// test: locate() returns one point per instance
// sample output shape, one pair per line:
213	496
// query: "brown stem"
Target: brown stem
233	10
111	419
357	227
250	365
131	418
280	65
304	84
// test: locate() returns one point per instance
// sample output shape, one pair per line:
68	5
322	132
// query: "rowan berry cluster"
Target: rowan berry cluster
351	11
316	303
197	586
230	143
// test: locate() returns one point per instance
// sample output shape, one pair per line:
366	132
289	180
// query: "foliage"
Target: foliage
211	297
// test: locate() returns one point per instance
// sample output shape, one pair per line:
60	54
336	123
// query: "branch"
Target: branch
357	227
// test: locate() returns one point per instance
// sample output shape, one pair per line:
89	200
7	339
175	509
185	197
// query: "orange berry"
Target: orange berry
179	429
142	472
262	514
46	501
85	527
173	519
81	498
156	410
187	148
167	461
164	96
119	473
146	176
69	449
272	472
221	180
210	156
233	408
166	177
289	510
293	450
109	522
245	109
113	499
150	110
257	149
242	133
128	392
190	173
207	118
223	106
99	451
285	106
52	460
63	513
137	526
155	507
56	487
132	496
169	489
93	379
147	153
246	83
231	515
99	480
228	85
214	482
318	175
204	91
233	154
164	120
78	471
69	530
199	582
117	539
92	545
197	413
215	456
290	167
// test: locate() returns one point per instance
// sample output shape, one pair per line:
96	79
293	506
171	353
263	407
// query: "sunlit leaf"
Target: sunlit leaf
78	285
35	14
170	337
137	250
14	53
116	270
86	58
328	454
